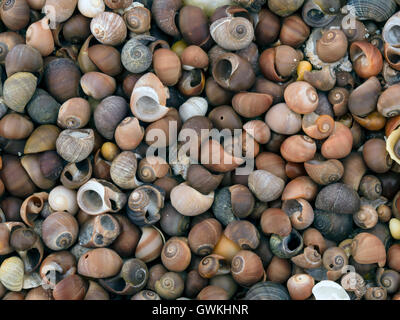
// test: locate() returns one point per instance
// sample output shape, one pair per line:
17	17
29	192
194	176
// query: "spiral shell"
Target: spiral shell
109	28
213	265
170	286
176	254
136	57
232	33
144	205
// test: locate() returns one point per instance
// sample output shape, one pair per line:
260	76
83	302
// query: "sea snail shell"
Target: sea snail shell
232	33
149	98
194	202
100	196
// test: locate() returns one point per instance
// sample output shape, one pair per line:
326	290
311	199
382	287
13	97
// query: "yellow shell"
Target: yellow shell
394	226
178	47
12	273
391	142
302	68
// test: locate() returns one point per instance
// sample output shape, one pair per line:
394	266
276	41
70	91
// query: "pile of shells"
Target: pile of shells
97	96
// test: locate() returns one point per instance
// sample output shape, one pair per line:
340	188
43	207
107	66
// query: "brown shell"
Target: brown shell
367	248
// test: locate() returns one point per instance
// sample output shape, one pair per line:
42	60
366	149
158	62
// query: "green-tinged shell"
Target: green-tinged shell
286	247
333	226
18	90
12	273
222	207
43	108
377	10
267	291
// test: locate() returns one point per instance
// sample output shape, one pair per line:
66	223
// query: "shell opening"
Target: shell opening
148	105
224	69
393	35
117	284
92	201
292	206
196	78
292	242
393	57
32	259
315	15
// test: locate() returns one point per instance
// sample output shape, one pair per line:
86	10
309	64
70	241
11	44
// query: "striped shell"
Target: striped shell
267	291
109	28
377	10
12	273
195	106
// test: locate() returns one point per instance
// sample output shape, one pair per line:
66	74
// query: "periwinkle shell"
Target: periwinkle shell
43	108
333	226
222	208
377	10
338	198
267	291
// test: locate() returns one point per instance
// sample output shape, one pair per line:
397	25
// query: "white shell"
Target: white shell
147	105
91	8
32	280
329	290
190	202
195	106
391	142
12	273
149	98
63	199
92	198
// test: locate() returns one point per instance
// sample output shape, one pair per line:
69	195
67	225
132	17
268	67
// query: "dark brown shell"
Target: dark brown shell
338	198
